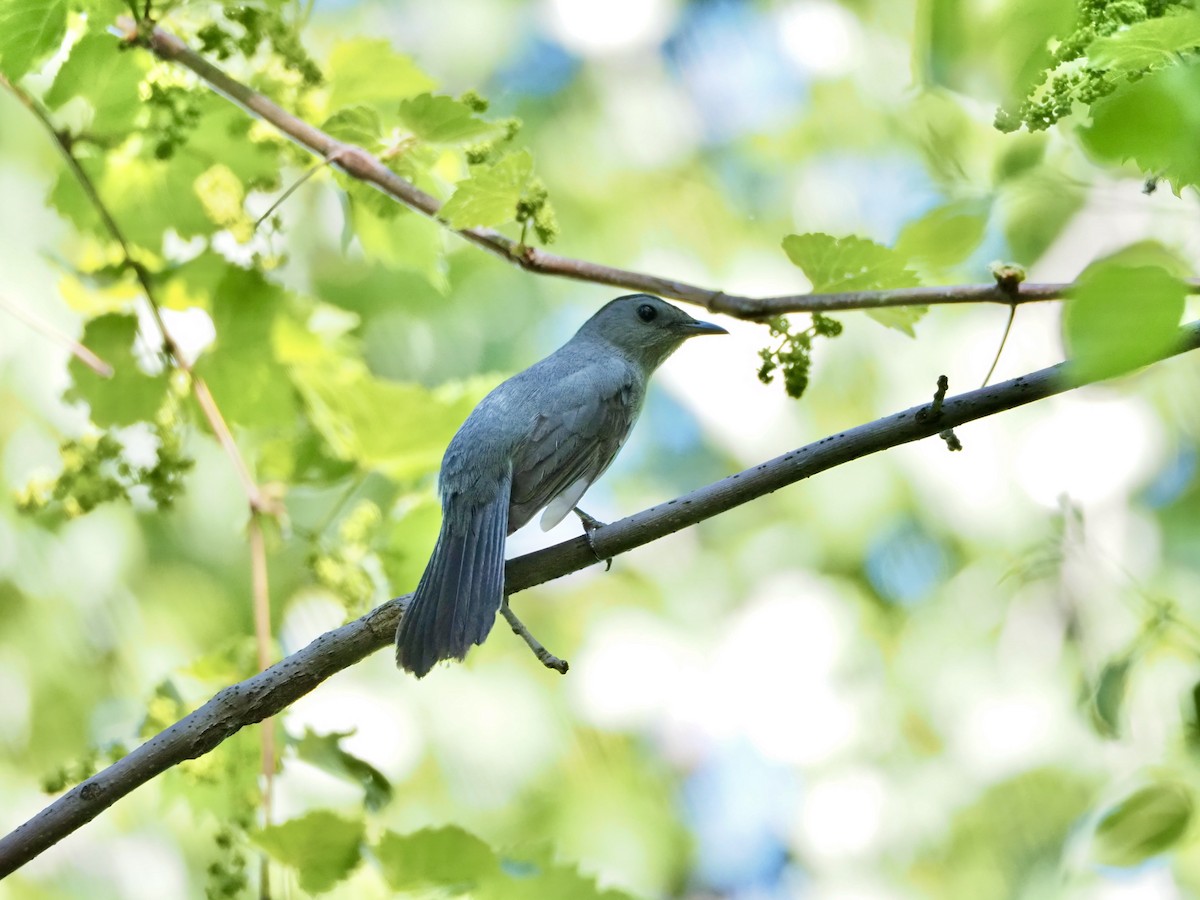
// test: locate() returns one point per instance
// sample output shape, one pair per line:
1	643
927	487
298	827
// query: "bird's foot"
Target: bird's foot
590	526
545	657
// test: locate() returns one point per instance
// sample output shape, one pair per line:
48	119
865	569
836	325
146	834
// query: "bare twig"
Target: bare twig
80	352
1012	314
265	694
362	165
291	189
544	656
262	634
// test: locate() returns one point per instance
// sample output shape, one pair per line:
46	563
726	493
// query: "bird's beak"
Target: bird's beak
695	328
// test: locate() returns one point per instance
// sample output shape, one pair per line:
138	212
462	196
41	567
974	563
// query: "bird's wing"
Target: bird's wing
568	450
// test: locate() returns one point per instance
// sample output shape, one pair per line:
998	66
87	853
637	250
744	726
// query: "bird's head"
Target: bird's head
645	328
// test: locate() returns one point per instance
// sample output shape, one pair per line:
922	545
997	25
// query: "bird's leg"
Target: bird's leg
590	526
547	659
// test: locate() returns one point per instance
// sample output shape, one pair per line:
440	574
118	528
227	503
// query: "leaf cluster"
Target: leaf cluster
1111	43
96	469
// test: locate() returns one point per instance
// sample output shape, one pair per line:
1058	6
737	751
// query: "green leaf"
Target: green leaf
547	880
946	235
1147	44
1154	121
357	125
1124	312
489	197
1035	211
1021	154
107	77
901	318
246	380
1010	836
404	240
443	120
447	858
28	32
325	751
847	264
130	395
368	70
1109	697
360	417
1144	824
224	137
323	847
836	265
134	189
193	283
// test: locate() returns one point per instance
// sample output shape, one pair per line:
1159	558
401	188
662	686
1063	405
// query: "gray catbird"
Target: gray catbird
539	440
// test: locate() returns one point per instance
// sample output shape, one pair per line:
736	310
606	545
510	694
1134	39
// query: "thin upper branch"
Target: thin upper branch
272	690
78	350
362	165
208	406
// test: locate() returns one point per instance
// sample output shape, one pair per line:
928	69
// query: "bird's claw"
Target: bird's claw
590	526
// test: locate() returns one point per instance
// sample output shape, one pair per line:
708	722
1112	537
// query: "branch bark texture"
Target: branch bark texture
360	164
282	684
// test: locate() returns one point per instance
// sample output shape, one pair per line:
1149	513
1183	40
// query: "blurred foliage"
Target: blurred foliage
913	674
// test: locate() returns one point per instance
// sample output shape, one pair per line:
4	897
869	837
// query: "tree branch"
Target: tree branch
204	398
362	165
272	690
80	352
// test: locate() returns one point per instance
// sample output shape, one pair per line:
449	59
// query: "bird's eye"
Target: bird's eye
647	313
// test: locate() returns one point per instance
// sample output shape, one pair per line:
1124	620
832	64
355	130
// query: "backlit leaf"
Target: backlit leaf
1144	824
1124	313
443	120
29	31
1153	42
1155	122
446	858
369	70
848	264
248	383
321	846
401	429
107	77
356	125
489	197
326	752
130	395
946	235
855	264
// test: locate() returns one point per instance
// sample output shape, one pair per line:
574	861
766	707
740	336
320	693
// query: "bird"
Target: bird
537	442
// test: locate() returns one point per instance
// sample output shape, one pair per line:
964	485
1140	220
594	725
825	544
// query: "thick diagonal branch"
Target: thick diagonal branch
285	682
362	165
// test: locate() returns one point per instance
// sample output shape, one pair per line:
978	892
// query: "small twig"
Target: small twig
1012	314
951	439
80	352
259	502
545	657
291	189
262	639
933	412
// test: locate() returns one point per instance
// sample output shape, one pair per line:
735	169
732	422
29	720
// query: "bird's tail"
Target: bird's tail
456	601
